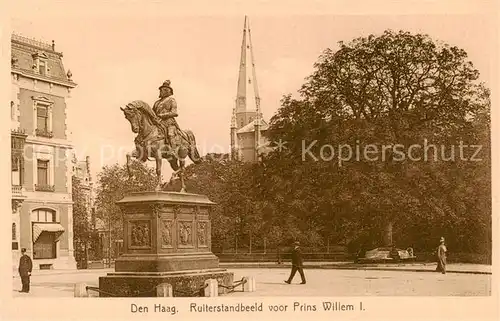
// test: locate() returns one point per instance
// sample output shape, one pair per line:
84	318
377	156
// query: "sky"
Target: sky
117	58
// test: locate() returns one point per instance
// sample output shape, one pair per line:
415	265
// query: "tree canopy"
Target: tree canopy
392	89
397	90
113	183
388	142
81	221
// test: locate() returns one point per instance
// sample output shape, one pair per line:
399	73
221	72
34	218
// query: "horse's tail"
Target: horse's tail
193	153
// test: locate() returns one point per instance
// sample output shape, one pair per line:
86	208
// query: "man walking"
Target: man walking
297	264
25	267
441	257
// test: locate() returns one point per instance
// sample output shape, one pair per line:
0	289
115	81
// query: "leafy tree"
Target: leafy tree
396	88
113	184
81	221
230	184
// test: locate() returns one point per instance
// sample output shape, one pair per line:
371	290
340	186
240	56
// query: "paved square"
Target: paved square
320	282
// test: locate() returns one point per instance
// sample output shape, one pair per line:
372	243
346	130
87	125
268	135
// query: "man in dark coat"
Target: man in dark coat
297	264
25	267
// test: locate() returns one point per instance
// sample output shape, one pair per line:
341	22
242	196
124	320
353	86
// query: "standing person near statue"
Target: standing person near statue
297	264
441	257
166	109
25	268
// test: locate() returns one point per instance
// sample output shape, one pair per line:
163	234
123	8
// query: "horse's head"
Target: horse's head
133	115
138	113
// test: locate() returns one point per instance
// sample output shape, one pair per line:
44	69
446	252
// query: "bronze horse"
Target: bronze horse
151	141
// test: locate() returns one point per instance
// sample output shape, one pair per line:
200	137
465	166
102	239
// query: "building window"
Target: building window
14	232
40	63
12	110
16	171
42	121
42	67
43	172
45	243
42	118
45	246
43	183
43	216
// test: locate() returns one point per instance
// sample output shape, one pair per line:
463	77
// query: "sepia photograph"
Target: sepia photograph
246	156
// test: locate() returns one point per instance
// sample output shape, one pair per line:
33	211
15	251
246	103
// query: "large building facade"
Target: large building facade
248	128
42	210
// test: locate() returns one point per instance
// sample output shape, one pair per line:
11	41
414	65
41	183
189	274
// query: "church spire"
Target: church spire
247	97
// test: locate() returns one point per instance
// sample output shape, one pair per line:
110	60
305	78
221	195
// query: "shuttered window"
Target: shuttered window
42	172
42	116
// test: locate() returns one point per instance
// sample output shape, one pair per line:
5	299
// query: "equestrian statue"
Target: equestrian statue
159	136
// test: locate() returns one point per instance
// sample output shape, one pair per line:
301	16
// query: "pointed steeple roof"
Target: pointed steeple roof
247	97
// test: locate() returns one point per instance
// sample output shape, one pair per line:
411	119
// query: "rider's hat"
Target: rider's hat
166	84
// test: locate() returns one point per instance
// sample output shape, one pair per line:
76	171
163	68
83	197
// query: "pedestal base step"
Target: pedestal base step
143	284
166	263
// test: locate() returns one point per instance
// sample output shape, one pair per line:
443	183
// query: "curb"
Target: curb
340	267
404	270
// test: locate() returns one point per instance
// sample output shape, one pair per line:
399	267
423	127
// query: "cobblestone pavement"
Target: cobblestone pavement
320	282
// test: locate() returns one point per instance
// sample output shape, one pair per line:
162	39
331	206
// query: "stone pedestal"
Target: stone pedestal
167	239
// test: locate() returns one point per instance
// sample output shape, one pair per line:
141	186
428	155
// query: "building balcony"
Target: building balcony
17	197
44	133
17	191
18	138
44	188
19	131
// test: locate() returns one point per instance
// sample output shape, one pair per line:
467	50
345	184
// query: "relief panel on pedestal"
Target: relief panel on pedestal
139	234
167	239
202	232
185	234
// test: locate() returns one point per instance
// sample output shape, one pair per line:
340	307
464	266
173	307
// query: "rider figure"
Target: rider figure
166	109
